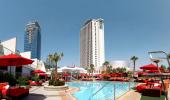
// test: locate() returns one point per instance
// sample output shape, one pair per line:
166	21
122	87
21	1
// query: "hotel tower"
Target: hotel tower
32	41
92	44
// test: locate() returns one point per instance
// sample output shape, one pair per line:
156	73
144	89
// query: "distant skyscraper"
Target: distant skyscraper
92	43
32	41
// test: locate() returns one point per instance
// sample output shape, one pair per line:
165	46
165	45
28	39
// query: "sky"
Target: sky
132	27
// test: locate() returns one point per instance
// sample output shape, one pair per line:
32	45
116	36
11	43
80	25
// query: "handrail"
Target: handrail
98	91
73	78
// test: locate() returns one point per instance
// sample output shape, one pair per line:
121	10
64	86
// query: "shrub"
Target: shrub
23	81
57	82
106	77
35	78
6	77
50	82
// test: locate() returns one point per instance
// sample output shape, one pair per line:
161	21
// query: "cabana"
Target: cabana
71	70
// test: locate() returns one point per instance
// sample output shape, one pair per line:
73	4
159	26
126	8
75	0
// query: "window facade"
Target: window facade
32	39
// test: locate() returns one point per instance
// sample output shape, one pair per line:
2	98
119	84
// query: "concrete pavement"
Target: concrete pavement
38	93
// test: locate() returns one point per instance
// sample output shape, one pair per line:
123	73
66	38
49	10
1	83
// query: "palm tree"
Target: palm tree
134	58
122	70
49	59
106	64
114	70
88	70
92	68
54	59
109	69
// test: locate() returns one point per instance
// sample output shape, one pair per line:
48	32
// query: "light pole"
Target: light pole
157	60
167	58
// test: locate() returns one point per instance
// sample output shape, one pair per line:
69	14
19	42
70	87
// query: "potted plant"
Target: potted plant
23	81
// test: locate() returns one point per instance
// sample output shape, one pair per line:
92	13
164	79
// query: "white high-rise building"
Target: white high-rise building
92	43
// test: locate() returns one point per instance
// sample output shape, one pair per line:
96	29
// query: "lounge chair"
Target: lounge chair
33	83
153	92
140	88
18	93
14	92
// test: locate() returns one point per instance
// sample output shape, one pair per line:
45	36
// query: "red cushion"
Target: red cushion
4	92
18	91
2	85
139	88
36	83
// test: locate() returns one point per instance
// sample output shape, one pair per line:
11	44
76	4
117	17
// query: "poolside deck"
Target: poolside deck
129	95
38	93
137	96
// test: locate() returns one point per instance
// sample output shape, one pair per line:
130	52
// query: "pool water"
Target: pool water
100	90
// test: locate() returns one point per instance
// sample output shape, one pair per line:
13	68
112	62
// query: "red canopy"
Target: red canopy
153	71
149	67
142	73
38	71
42	74
106	75
14	60
114	75
83	74
66	74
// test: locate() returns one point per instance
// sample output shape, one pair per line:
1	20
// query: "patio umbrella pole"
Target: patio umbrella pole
164	87
9	79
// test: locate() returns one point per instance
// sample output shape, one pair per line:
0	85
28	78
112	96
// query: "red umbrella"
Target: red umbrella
144	73
38	71
82	74
106	75
149	67
139	73
113	74
42	74
14	60
153	71
66	75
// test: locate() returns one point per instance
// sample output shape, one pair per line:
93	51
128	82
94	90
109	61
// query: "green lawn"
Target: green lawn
152	98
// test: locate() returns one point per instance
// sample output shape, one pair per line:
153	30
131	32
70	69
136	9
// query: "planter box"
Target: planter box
55	88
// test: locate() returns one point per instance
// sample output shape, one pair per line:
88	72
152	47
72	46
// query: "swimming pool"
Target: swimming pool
100	90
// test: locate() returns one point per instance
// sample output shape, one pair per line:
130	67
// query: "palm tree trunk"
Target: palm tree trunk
56	73
134	64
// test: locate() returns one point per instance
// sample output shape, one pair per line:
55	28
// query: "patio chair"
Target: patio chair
33	83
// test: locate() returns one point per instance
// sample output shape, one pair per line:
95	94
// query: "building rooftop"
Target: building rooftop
89	20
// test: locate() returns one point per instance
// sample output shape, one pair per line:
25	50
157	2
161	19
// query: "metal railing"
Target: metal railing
98	91
115	91
120	90
73	79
